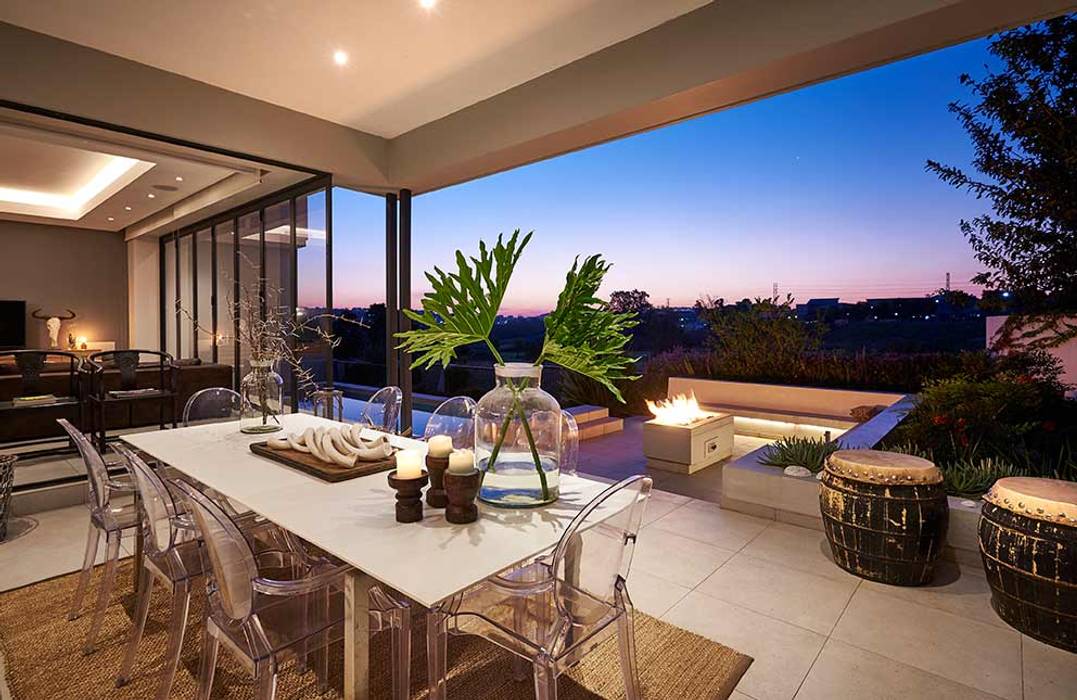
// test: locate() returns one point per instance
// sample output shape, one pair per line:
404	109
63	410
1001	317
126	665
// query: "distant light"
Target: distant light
1005	295
427	4
340	57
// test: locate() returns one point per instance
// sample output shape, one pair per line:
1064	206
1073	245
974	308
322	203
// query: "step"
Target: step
42	498
585	413
601	426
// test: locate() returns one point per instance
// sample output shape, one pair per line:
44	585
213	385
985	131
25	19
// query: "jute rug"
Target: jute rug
44	660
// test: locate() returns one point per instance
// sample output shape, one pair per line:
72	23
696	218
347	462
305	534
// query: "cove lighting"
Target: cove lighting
115	174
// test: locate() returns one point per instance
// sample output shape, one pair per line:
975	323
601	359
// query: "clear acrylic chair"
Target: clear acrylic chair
107	518
170	555
570	444
382	410
273	606
555	610
455	417
213	405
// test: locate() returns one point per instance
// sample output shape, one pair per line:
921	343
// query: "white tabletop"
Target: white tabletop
354	520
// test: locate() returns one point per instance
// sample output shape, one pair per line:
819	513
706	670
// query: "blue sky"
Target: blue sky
822	191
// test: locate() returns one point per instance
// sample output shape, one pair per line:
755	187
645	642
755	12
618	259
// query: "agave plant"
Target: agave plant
811	453
582	334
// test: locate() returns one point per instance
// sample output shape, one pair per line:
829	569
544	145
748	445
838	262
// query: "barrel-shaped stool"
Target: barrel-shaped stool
885	515
1028	541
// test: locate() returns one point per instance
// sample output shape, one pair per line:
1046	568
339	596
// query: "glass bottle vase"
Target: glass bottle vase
262	390
518	439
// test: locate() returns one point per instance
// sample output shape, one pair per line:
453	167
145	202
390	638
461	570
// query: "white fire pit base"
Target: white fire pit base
686	449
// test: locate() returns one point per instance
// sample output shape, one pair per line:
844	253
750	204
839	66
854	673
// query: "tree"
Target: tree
759	337
1023	127
633	301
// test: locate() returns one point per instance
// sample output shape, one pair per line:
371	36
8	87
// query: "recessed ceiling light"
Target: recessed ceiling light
340	57
151	195
127	208
427	4
179	178
112	218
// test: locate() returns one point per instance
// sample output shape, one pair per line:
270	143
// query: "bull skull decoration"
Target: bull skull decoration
52	323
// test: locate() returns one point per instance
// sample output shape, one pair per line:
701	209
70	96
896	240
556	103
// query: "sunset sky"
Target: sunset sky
822	191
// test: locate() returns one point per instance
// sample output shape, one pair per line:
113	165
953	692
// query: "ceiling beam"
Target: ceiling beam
721	55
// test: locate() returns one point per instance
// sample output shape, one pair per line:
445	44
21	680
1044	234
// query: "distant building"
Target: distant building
814	308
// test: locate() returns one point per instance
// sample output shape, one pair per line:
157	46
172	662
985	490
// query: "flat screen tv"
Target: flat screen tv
12	324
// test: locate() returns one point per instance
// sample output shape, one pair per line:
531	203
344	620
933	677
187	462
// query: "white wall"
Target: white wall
144	291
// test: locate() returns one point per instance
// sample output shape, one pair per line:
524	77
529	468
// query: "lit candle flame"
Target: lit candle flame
679	410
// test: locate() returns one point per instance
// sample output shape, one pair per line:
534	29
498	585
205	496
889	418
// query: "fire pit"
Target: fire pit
684	438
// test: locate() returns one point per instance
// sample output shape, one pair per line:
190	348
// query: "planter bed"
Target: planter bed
748	486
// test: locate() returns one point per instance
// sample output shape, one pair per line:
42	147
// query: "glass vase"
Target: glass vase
262	390
518	439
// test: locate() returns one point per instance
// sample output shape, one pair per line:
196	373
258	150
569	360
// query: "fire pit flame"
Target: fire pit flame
679	410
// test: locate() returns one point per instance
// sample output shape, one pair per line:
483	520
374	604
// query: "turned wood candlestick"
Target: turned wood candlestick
409	497
435	495
461	490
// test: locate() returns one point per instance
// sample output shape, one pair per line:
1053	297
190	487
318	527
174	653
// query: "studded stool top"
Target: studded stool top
879	467
1052	500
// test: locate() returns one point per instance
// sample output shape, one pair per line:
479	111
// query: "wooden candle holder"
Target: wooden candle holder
409	497
461	490
435	495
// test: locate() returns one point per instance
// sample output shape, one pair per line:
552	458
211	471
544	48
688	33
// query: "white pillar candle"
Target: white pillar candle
439	446
461	462
409	464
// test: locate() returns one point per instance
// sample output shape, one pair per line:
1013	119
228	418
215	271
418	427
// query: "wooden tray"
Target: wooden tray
325	471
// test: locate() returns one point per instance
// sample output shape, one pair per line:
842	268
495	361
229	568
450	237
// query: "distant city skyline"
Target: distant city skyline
822	191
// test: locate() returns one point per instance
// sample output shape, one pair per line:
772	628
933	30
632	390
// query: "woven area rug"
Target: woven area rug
43	658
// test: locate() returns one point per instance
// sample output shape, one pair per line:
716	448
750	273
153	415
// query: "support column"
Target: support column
404	324
392	303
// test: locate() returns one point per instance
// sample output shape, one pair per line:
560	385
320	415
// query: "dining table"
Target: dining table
428	561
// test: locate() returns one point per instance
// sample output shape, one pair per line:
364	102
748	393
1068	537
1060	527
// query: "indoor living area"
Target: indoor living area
274	423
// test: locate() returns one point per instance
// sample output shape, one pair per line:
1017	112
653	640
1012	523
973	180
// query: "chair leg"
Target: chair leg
626	640
401	646
105	591
437	641
207	665
545	680
92	538
142	609
267	682
181	603
519	620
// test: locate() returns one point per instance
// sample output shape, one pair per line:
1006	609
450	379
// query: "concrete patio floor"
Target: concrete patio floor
765	588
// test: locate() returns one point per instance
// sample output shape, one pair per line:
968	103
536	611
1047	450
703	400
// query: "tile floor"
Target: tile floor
768	589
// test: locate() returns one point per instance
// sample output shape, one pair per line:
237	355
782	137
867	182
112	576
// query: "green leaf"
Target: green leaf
461	307
583	335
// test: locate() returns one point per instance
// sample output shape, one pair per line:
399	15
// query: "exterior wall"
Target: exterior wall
1066	353
57	268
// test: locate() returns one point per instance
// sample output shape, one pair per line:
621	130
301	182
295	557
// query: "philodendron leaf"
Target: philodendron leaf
583	335
461	307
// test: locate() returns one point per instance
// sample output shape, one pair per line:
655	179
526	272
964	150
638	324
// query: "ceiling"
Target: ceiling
45	178
407	66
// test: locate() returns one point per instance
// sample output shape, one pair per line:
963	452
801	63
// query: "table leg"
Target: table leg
357	635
